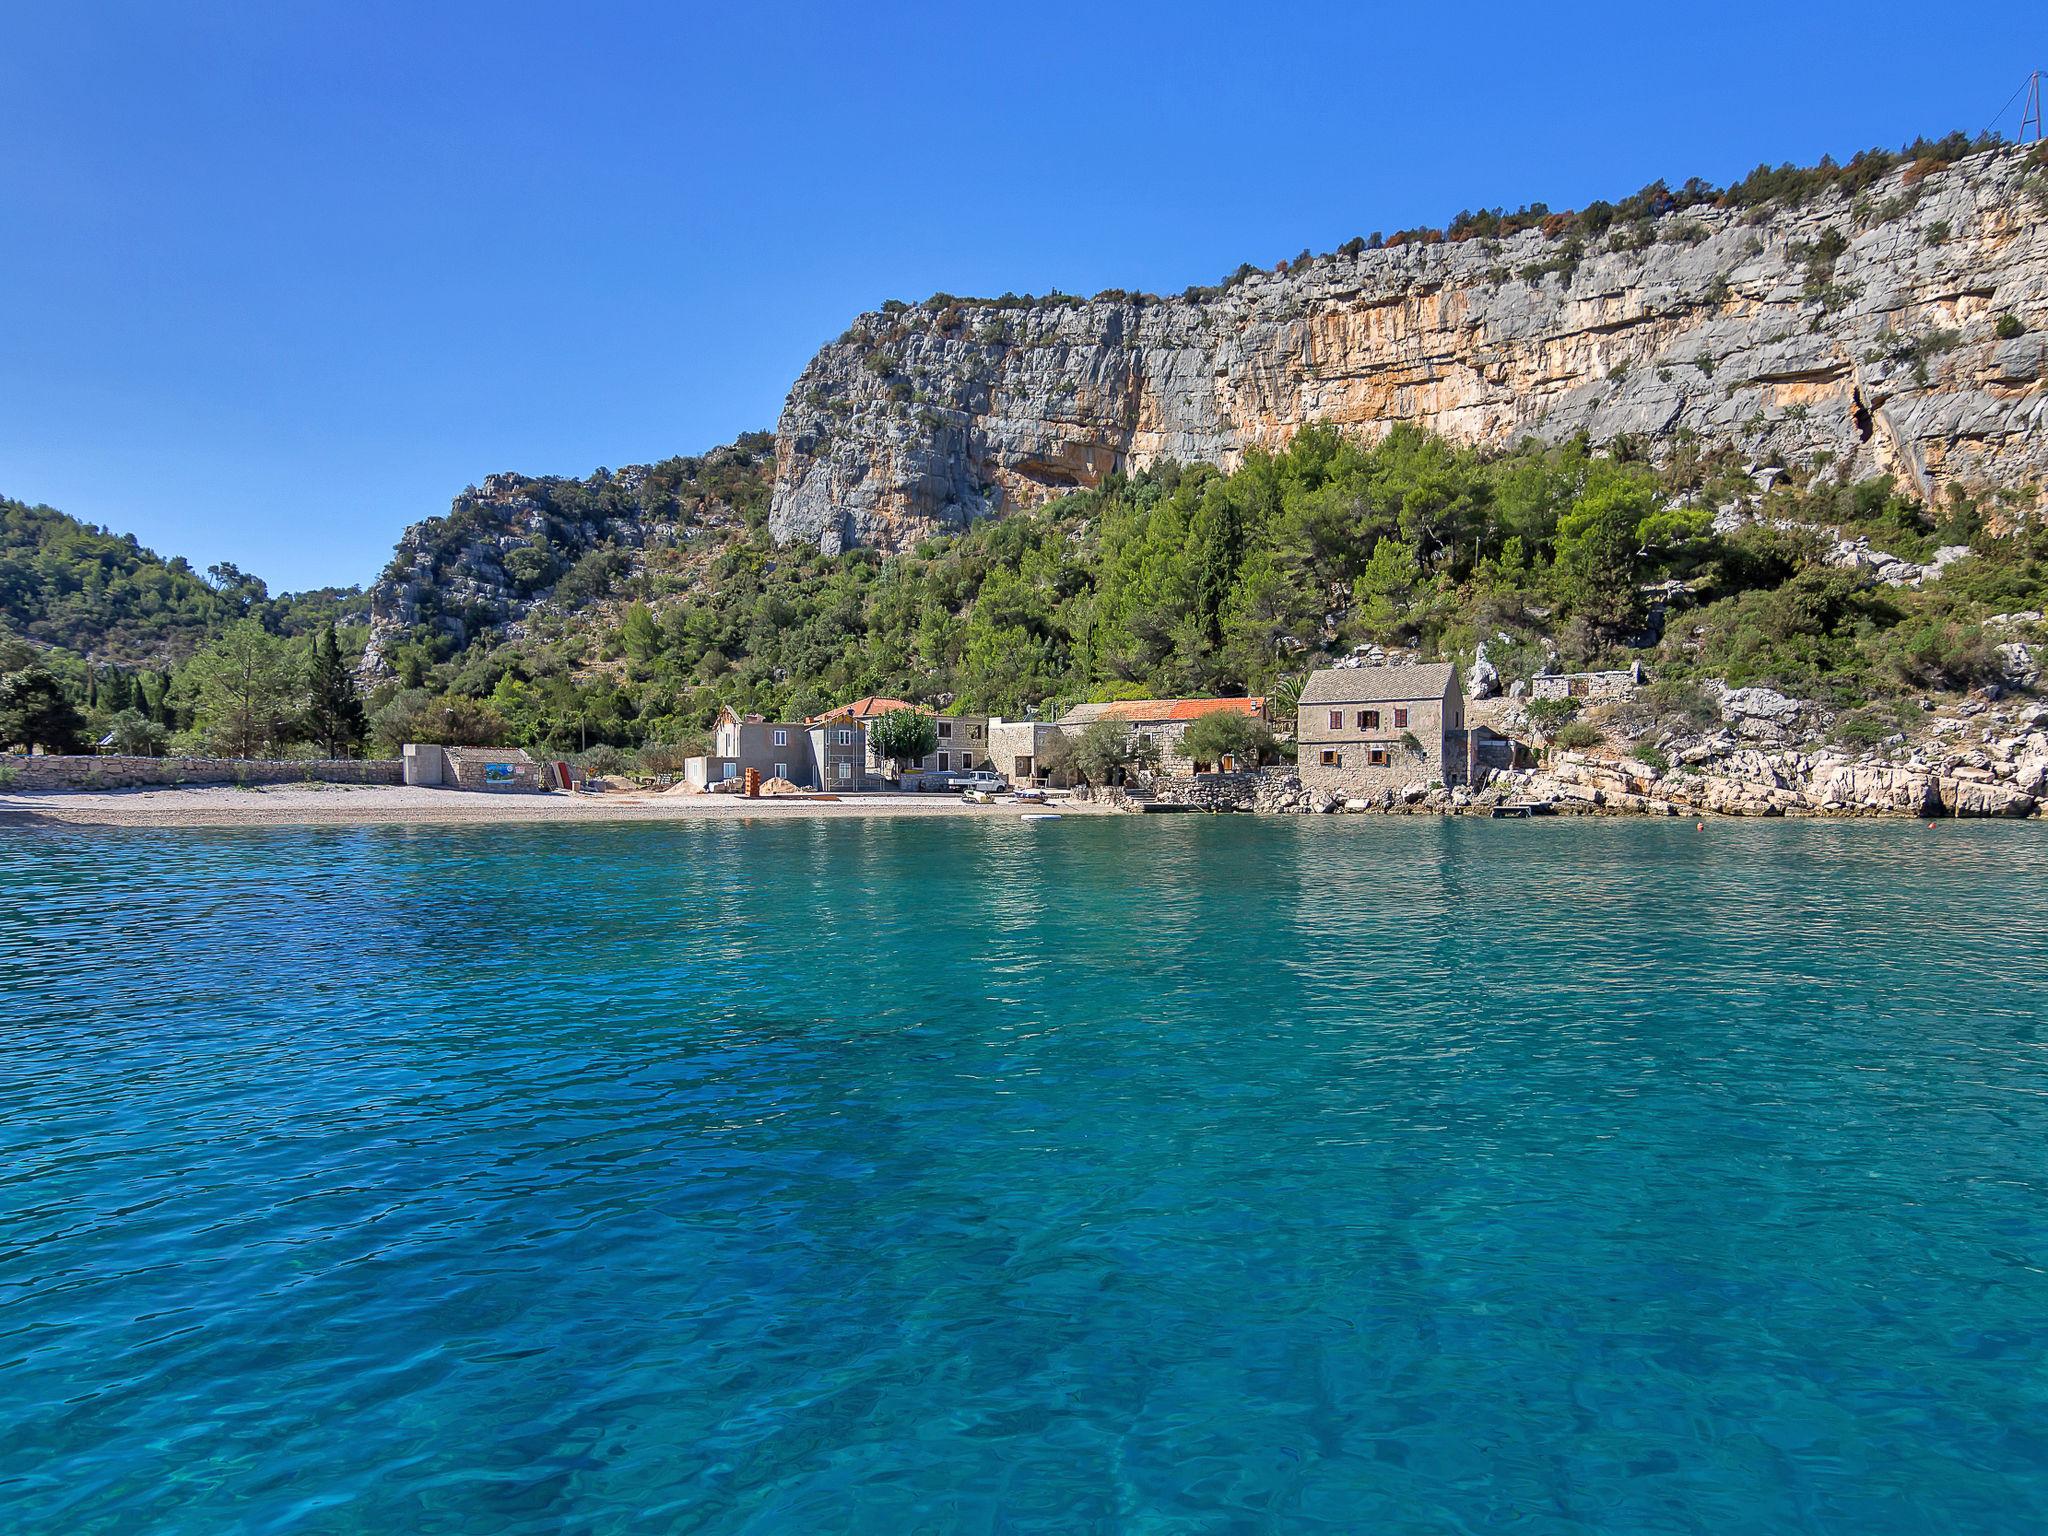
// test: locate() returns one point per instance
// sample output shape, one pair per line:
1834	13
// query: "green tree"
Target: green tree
904	735
136	735
1283	699
334	710
1226	734
36	712
415	715
1384	587
1056	756
1597	544
245	692
639	633
1102	751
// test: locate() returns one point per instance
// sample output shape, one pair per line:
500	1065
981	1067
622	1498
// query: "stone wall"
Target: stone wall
1270	790
1587	685
110	772
1356	778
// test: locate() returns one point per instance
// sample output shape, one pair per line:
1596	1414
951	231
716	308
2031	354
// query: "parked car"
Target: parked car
983	782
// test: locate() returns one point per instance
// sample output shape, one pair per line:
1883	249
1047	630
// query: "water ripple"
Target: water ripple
1174	1175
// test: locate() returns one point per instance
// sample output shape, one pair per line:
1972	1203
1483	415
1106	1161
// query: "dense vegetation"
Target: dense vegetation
1179	580
104	597
1185	580
101	637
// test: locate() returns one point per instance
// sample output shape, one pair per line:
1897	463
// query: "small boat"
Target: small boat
1040	816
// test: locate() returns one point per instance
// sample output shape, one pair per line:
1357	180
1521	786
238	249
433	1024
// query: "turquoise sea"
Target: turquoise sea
1169	1175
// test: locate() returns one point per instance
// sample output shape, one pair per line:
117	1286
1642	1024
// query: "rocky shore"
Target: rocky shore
1984	760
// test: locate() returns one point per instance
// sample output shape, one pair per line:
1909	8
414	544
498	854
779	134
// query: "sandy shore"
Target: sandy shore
223	805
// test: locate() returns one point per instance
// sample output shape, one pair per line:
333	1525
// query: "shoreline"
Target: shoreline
287	805
369	805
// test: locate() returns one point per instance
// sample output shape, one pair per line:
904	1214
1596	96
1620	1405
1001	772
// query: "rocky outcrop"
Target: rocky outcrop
2004	775
519	544
1864	331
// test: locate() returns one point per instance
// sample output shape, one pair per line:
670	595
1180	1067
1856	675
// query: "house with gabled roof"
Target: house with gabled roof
1161	722
1361	730
961	747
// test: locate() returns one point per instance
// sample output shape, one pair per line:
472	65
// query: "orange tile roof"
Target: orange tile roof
1176	709
868	708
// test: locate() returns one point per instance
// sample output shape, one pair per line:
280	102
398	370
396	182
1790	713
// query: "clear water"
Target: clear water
1178	1175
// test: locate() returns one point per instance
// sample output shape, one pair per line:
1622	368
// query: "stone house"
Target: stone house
1162	722
1589	685
962	739
810	754
1362	730
1016	750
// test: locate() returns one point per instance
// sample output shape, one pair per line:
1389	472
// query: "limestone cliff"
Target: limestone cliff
1882	332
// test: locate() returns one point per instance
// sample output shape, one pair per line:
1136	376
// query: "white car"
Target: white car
982	782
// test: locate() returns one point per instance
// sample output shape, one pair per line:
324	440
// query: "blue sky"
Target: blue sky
280	278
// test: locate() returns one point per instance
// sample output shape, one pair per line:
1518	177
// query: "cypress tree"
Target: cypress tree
335	712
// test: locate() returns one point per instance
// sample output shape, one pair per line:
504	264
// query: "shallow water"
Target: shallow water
1176	1175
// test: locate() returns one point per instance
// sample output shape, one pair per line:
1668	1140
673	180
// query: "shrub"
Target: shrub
1651	758
413	715
665	759
1676	702
1547	715
603	761
2009	327
1576	734
1226	733
1864	727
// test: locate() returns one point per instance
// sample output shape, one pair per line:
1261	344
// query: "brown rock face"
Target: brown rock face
1726	324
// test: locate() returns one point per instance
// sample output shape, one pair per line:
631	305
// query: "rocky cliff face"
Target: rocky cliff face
1866	332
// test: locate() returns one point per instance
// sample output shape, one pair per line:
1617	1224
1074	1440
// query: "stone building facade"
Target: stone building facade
812	754
1364	730
962	744
1588	685
1162	723
1016	750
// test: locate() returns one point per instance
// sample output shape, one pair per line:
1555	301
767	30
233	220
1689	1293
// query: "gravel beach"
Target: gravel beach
344	804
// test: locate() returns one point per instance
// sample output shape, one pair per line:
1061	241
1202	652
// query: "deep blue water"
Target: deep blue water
1177	1175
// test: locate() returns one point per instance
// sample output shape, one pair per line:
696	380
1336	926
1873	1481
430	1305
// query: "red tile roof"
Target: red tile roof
1152	711
868	708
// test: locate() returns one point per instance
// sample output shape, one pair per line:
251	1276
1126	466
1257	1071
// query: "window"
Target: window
782	770
732	770
845	740
945	733
781	738
1376	756
1332	759
945	760
1400	719
845	771
1368	719
1336	719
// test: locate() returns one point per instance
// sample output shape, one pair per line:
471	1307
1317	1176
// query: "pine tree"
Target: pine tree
335	711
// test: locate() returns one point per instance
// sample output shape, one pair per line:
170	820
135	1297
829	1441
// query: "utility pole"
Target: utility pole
2031	118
